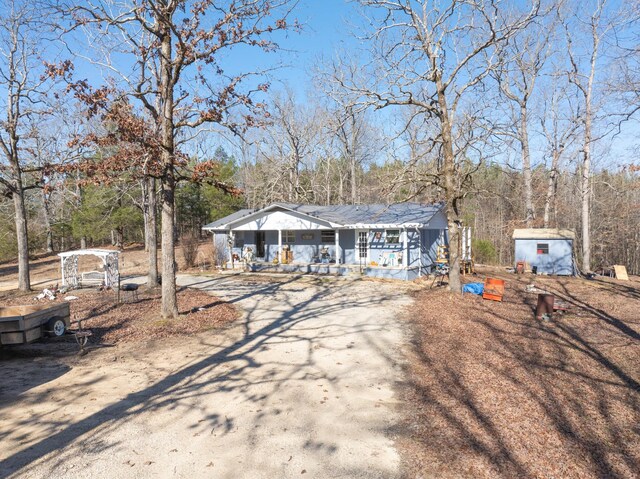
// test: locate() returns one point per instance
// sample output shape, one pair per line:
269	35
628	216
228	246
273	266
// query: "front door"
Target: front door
260	244
363	246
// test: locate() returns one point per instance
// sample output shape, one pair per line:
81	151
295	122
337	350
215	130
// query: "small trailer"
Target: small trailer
25	324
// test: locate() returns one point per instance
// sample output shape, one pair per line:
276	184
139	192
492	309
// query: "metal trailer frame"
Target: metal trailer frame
25	324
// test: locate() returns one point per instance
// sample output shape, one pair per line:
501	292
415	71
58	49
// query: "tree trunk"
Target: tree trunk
145	212
151	238
169	307
24	281
354	192
526	169
585	194
552	188
47	221
450	187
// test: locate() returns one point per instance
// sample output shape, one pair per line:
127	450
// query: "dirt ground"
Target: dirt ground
337	378
45	268
303	385
134	318
497	393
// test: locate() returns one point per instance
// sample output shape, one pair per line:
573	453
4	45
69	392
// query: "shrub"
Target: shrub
484	251
190	243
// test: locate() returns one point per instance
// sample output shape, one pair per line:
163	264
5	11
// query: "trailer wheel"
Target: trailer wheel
56	327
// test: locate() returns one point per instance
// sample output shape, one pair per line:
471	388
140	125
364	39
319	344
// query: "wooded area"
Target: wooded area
516	114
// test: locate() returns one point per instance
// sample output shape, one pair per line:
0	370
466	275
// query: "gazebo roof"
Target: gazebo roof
90	251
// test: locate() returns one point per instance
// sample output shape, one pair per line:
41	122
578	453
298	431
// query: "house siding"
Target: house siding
347	242
559	260
417	247
379	247
430	240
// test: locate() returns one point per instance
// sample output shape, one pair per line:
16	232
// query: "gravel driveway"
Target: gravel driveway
302	386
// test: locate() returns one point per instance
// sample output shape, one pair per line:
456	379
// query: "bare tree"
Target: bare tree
517	77
21	89
291	133
583	75
173	49
560	124
430	57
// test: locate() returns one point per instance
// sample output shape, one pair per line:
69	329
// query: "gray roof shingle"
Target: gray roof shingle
349	215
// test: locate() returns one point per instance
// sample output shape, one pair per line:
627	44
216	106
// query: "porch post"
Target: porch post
405	259
279	254
62	268
337	253
230	242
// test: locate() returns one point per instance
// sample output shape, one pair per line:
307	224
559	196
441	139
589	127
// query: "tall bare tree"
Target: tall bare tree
20	86
517	77
560	124
431	56
582	73
173	69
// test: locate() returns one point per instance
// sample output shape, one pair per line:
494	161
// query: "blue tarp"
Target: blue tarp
474	288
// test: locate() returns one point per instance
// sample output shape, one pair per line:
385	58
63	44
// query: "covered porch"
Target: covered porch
387	242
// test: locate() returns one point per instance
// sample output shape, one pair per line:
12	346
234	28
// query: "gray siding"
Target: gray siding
348	246
413	243
558	261
270	245
378	247
305	250
430	239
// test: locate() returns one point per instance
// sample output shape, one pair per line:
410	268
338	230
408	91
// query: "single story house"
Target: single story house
549	250
391	241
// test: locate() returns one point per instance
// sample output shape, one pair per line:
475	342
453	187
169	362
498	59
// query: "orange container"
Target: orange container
493	289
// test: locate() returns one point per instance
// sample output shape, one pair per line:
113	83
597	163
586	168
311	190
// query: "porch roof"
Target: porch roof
344	216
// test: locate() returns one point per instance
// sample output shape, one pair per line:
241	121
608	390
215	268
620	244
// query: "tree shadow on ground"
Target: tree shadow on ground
500	394
223	370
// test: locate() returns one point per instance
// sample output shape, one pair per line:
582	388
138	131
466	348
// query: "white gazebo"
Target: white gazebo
108	277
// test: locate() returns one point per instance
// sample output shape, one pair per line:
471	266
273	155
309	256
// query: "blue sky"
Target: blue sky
325	30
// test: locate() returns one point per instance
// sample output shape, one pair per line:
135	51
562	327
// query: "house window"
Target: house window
542	248
238	240
392	236
288	236
328	236
363	244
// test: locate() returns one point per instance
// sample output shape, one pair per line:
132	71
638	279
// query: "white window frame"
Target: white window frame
366	246
288	236
387	235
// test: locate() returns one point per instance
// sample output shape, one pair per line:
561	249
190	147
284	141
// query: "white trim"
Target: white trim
382	226
91	251
420	263
337	252
358	258
266	209
405	247
279	252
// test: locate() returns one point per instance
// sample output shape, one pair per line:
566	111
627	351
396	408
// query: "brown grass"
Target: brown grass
496	393
140	320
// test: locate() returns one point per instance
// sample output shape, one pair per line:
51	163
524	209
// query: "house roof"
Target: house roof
543	233
399	214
